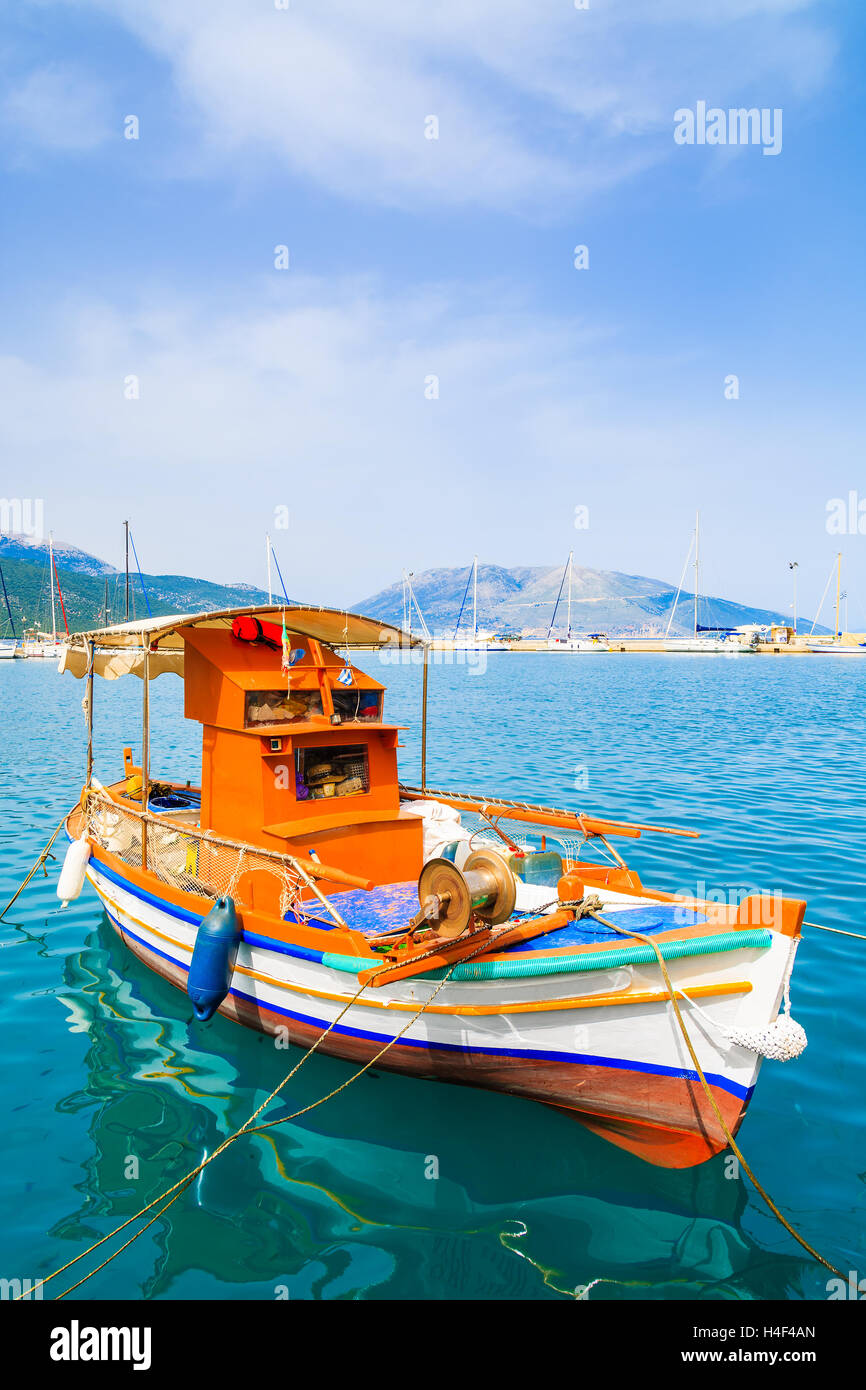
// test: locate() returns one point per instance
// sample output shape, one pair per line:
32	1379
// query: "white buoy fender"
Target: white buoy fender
71	880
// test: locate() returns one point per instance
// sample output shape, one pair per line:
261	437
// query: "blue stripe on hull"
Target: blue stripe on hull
264	943
574	1058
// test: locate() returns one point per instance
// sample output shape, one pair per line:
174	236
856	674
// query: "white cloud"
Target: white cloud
313	398
311	395
536	100
56	107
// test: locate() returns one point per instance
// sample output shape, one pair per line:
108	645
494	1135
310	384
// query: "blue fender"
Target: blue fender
213	958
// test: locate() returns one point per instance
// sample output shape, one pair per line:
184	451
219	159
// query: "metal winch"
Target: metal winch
485	888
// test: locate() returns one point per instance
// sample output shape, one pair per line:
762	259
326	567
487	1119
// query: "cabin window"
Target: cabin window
328	772
280	706
358	704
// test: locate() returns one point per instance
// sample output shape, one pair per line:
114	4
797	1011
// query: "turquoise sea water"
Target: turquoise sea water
103	1061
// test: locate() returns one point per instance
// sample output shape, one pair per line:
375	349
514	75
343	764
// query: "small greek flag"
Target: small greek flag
345	677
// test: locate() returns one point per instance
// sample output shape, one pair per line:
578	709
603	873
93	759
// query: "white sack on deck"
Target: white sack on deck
440	825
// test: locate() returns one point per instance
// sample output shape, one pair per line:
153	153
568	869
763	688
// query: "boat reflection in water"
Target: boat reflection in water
346	1202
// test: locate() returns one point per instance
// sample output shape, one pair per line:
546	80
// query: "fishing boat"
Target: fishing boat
294	883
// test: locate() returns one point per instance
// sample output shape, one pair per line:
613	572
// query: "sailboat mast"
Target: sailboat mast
59	595
475	601
268	559
413	601
697	561
570	568
838	590
8	607
126	529
51	577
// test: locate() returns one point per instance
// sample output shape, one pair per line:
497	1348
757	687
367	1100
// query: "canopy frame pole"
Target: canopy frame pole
145	748
424	720
91	659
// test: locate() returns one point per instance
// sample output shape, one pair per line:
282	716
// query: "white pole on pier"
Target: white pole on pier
697	574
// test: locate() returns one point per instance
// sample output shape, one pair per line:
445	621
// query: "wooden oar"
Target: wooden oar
433	958
541	815
427	958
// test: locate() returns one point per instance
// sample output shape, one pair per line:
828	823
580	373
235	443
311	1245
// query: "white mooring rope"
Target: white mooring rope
779	1041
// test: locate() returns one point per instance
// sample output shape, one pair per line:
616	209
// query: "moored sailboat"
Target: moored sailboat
591	641
704	638
38	643
841	642
479	640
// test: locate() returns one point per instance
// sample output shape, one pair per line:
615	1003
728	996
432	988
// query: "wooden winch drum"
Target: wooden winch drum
485	888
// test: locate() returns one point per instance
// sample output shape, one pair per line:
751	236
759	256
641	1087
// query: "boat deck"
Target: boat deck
390	907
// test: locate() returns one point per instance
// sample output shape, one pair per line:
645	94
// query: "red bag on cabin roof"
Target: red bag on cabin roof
249	629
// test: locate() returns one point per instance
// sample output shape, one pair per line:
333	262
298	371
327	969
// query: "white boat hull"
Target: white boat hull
614	1064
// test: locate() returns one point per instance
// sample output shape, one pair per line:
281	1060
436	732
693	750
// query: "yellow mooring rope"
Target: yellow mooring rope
639	936
43	856
247	1128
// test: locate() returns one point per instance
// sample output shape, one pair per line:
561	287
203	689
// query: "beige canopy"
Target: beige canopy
119	651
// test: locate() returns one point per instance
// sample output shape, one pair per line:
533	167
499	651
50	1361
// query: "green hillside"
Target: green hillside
83	595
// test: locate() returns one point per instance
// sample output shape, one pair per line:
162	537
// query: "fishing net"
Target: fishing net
194	861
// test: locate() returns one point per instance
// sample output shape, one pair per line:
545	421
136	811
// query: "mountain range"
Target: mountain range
521	601
517	600
84	581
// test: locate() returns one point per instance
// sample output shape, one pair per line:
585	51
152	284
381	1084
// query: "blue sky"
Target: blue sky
304	388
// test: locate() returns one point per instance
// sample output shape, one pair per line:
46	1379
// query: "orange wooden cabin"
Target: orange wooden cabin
303	764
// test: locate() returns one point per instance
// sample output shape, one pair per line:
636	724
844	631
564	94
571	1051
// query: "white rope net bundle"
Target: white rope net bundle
779	1041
